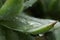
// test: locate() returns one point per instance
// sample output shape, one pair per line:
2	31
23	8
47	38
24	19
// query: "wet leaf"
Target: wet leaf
27	24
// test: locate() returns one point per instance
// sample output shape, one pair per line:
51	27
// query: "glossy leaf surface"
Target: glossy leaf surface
27	24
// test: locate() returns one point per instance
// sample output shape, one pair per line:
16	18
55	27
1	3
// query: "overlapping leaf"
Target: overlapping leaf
29	3
22	22
8	34
26	24
11	7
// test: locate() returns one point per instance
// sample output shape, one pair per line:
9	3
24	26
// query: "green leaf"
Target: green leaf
44	4
11	8
2	2
50	9
29	3
8	34
50	5
54	34
2	33
13	35
57	31
27	24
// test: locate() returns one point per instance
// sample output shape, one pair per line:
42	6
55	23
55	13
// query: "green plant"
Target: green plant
17	24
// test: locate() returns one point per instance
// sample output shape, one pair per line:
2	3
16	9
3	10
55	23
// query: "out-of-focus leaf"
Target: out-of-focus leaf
48	5
29	3
13	35
27	24
2	2
50	36
50	8
43	2
11	8
2	33
8	34
55	33
52	5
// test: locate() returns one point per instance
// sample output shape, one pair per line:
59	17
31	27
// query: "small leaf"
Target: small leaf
29	3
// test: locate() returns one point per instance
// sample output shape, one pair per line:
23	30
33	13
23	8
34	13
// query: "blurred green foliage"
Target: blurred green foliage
21	19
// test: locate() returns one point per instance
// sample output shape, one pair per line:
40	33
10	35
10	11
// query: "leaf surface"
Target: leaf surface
27	24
